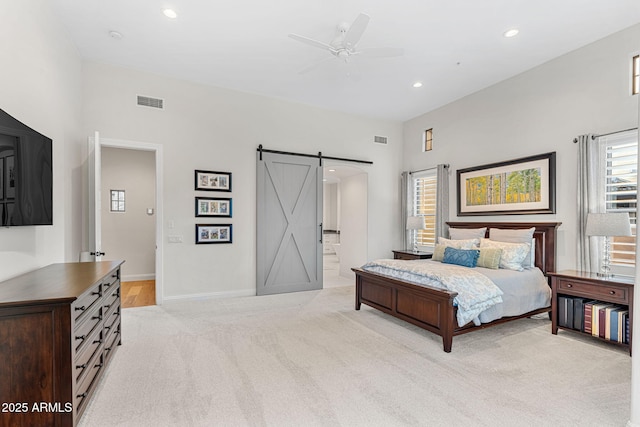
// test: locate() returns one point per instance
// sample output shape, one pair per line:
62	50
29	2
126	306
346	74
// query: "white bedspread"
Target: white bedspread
476	292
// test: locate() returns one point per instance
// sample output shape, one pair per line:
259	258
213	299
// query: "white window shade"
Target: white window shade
620	161
424	192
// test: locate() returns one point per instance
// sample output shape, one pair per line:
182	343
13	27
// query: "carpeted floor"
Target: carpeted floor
310	359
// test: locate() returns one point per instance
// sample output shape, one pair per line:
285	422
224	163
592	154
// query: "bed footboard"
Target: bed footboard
427	307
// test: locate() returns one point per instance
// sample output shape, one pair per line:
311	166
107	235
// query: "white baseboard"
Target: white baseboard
226	294
136	277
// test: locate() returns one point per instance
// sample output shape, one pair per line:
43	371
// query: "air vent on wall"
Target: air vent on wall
147	101
380	139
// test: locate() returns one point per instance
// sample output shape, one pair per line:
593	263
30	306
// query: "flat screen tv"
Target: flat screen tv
26	175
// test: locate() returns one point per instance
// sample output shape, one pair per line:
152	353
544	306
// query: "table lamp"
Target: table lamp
608	225
415	223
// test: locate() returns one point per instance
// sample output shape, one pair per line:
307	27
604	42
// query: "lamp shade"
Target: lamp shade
416	223
608	224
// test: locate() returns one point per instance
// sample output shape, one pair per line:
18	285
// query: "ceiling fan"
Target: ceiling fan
344	44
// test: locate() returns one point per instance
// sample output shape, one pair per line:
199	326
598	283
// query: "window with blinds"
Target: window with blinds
424	204
621	172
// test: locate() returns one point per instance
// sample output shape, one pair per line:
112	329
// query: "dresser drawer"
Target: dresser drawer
111	297
83	388
84	330
81	363
85	303
609	293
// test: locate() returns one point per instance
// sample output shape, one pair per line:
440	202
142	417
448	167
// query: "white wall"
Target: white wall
41	71
216	129
130	235
330	206
541	110
355	227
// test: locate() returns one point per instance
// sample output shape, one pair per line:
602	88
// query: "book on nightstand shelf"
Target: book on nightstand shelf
588	310
578	313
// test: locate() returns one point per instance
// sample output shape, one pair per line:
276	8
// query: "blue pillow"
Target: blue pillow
463	257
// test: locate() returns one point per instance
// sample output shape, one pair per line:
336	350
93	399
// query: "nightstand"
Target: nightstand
411	254
572	290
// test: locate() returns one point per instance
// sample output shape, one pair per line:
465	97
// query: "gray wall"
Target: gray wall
541	110
130	235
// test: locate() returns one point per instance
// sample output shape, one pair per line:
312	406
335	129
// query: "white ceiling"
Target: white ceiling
455	47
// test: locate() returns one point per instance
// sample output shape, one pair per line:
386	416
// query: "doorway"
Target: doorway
128	161
345	222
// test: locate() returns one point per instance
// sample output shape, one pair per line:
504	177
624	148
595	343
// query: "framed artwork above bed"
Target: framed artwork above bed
515	187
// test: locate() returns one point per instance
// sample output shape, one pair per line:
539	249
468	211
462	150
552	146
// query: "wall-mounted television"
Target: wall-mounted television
26	175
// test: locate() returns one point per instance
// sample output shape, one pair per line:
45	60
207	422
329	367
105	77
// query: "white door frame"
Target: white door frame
157	149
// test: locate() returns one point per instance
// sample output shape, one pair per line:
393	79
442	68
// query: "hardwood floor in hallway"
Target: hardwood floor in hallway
138	293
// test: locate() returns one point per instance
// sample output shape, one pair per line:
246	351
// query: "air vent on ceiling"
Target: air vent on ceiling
147	101
380	139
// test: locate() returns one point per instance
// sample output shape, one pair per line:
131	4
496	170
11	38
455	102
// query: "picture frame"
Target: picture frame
220	207
212	181
516	187
214	233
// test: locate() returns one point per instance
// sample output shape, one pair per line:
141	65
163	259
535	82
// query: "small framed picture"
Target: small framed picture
213	181
214	233
213	206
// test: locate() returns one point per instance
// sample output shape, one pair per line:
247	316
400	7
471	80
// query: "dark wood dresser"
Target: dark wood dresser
59	327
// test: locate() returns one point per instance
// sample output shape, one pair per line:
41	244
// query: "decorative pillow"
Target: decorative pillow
438	253
512	253
467	233
490	258
463	257
524	235
460	244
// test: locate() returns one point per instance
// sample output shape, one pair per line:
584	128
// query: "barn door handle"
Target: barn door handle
320	232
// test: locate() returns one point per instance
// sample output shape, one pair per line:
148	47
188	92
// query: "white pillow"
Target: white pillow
524	235
513	254
467	233
460	244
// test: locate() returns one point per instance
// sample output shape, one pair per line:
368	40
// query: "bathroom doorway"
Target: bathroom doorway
344	223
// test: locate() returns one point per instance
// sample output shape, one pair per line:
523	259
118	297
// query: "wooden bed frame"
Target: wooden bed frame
432	308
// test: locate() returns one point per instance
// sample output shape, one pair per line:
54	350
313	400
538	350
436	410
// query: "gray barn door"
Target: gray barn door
289	224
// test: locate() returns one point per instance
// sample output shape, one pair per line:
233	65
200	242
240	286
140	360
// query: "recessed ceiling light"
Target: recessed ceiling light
417	84
511	33
170	13
115	35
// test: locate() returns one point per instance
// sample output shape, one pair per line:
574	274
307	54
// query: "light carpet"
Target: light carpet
310	359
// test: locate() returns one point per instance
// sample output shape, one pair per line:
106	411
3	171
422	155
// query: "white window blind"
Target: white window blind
620	155
424	204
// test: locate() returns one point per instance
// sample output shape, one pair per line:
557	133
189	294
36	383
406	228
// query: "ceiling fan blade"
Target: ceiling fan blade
380	52
314	66
355	31
311	42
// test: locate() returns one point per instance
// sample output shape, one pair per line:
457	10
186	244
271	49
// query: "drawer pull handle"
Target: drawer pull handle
612	292
107	327
81	366
98	317
107	349
99	365
80	337
81	308
97	342
83	395
569	286
96	293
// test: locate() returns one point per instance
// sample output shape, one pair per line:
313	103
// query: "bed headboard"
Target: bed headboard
545	238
